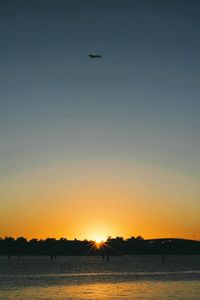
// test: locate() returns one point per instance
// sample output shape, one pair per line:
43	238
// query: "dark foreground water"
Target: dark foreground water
123	277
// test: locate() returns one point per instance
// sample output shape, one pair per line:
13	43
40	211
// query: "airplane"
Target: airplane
94	55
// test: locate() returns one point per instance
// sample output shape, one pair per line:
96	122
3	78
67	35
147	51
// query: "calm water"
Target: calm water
124	277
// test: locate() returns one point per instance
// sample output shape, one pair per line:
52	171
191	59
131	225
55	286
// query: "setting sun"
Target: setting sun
99	239
99	243
97	231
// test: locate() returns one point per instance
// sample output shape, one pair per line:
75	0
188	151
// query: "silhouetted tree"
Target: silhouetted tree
115	246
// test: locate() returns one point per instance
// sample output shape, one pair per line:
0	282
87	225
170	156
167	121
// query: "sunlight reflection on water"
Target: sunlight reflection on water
136	277
128	290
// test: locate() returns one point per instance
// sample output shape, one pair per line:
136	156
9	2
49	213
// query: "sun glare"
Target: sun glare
99	244
97	232
99	241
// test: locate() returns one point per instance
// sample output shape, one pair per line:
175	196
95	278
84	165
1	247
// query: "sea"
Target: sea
92	277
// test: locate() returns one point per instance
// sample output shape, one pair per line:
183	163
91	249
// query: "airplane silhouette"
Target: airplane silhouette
94	55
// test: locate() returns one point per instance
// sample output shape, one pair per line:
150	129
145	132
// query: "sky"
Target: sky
91	148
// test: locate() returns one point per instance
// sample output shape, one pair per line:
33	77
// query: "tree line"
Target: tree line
112	246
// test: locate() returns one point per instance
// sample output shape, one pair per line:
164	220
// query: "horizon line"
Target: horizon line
92	240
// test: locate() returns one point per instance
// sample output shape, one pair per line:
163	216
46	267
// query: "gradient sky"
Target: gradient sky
103	147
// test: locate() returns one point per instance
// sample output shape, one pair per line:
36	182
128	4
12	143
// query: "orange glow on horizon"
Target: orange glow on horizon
97	204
